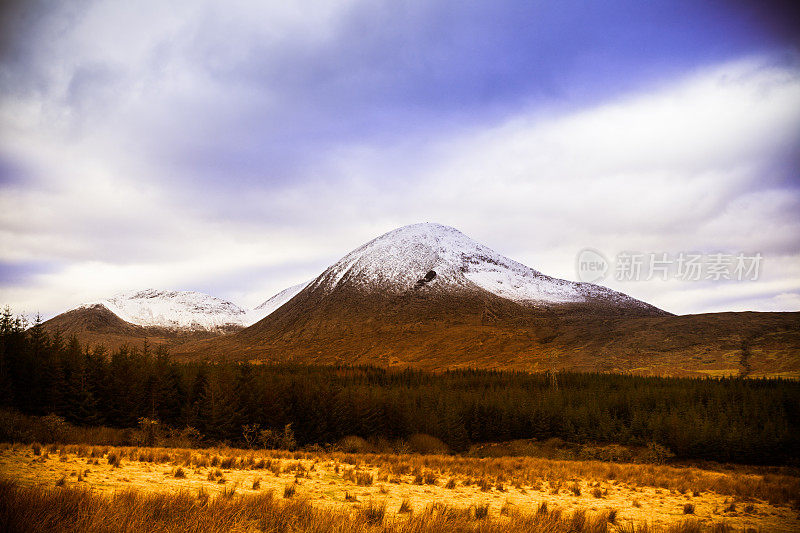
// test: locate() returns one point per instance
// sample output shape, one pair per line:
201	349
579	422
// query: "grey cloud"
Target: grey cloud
207	131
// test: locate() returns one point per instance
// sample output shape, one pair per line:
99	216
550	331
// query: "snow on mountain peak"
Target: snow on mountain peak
175	310
406	257
409	257
266	308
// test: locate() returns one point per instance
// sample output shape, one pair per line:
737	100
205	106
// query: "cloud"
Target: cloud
699	164
242	148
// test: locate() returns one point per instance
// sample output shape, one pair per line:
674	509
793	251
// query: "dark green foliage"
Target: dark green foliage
731	419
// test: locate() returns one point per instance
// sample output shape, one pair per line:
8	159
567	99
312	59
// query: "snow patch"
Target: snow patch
174	310
397	261
276	301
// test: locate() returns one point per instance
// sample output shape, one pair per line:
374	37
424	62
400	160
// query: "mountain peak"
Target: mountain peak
174	309
433	255
427	232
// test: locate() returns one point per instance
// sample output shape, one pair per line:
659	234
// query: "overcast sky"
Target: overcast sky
239	147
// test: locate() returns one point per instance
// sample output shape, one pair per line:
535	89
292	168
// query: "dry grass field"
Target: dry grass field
392	492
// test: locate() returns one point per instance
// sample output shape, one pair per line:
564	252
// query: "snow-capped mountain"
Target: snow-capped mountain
269	306
188	310
427	295
417	257
434	255
184	310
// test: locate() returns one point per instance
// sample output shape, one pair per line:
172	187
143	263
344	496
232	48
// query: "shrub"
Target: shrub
150	432
657	454
55	428
250	434
427	445
274	439
289	490
354	444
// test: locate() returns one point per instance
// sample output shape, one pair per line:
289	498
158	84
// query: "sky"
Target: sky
237	148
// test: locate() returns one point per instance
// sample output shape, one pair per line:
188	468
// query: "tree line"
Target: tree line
728	419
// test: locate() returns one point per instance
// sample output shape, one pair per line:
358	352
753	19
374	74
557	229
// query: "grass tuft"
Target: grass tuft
373	513
481	511
114	459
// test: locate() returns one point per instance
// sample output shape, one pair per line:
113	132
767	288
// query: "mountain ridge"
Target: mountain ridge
428	296
400	259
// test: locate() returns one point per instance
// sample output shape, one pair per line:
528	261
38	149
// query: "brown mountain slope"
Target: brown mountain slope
428	296
434	330
95	325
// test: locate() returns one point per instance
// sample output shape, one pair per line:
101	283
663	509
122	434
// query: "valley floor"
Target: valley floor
622	496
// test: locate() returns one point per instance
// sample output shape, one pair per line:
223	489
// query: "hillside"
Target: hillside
429	297
96	325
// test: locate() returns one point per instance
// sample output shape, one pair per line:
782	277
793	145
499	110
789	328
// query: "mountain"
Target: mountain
431	258
428	296
161	316
95	325
273	303
178	310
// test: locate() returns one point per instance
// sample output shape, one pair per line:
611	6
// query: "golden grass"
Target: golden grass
80	510
500	487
